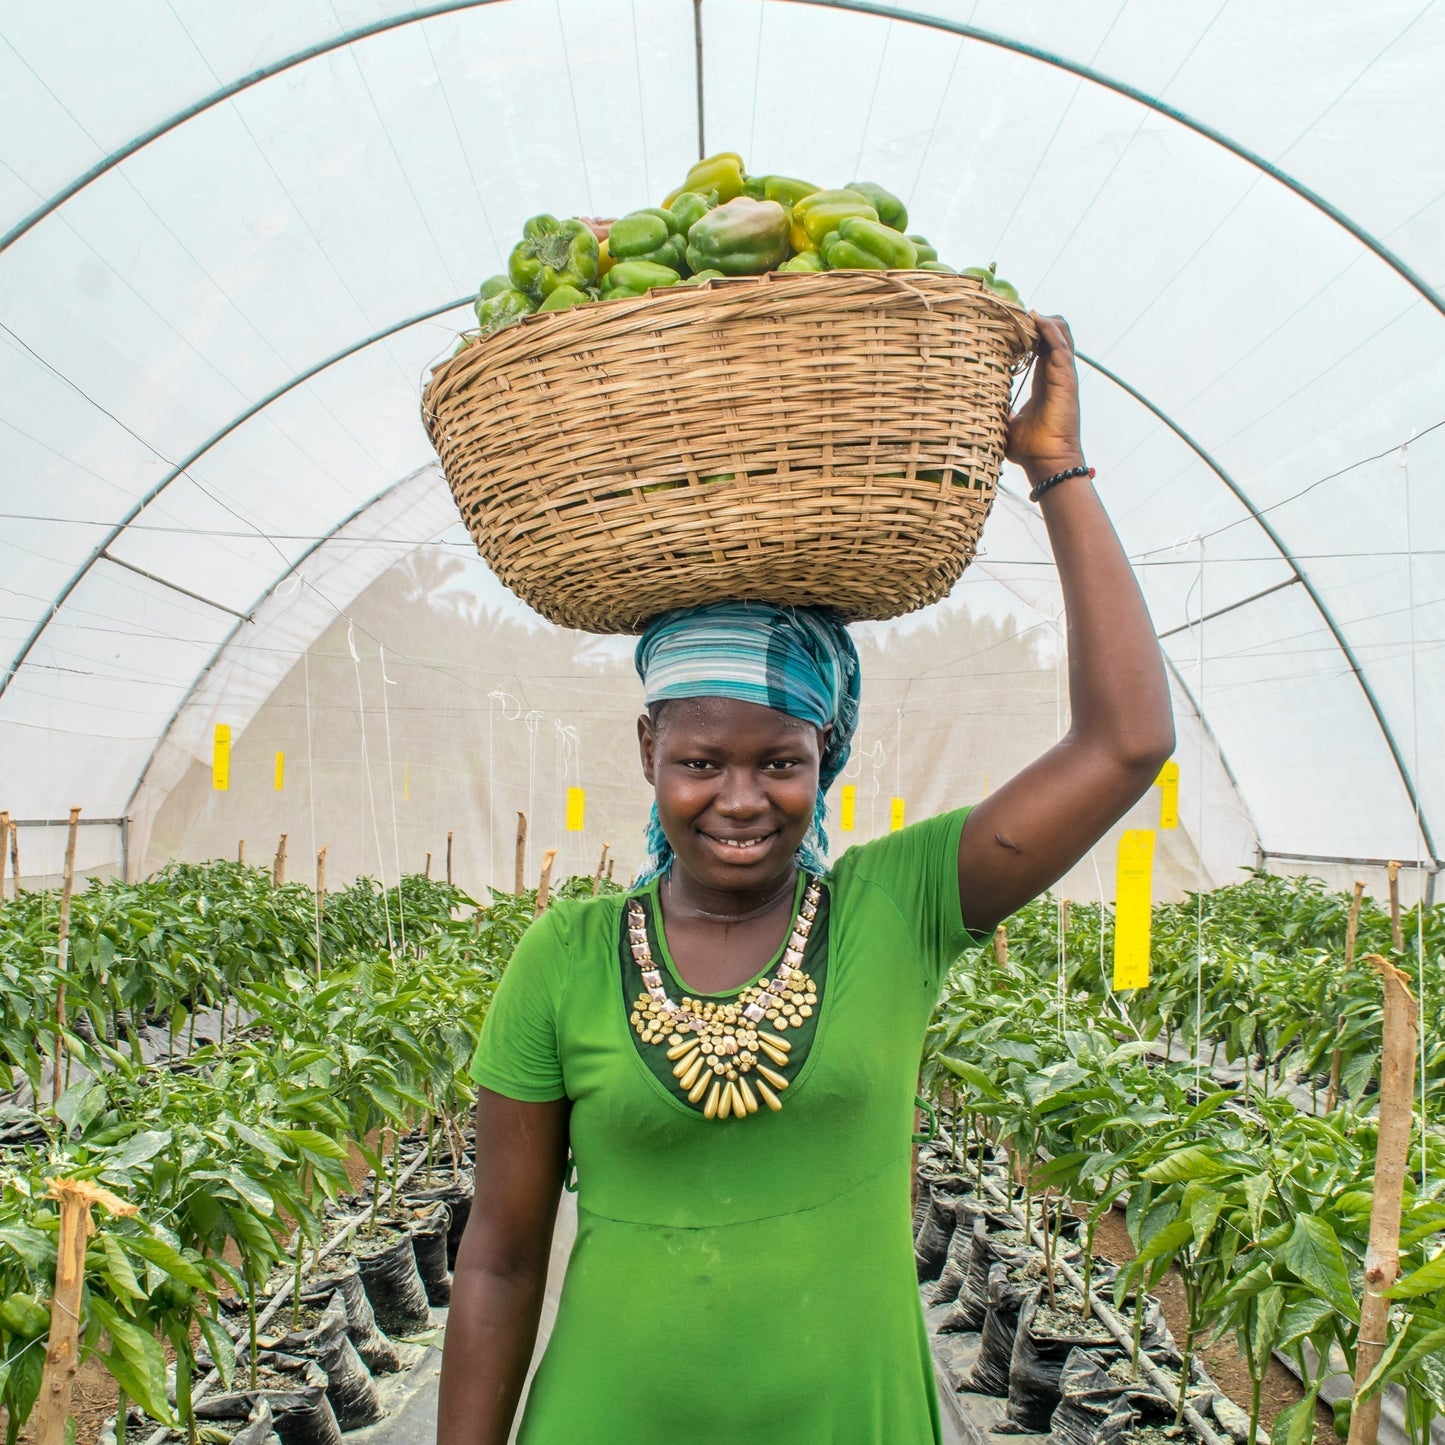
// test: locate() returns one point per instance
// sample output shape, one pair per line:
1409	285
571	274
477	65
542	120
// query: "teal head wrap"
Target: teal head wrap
795	660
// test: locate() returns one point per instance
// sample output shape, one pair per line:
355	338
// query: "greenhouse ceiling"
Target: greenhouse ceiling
232	238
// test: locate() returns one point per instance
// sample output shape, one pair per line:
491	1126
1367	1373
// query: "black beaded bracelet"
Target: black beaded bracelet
1058	477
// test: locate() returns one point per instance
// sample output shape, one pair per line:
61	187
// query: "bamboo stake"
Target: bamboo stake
449	857
15	856
76	1197
62	954
601	864
521	853
610	863
1382	1258
1000	944
321	876
240	850
4	839
278	866
1395	936
1352	928
428	863
548	858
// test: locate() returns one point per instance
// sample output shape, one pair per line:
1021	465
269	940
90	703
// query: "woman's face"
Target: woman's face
736	786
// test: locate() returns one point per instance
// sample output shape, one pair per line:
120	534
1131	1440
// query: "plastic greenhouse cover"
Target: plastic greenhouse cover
212	343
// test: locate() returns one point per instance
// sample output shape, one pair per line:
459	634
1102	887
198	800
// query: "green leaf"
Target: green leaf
1295	1425
1313	1253
142	1146
135	1361
263	1143
254	1195
971	1075
1256	1192
315	1142
221	1346
118	1267
1204	1212
1167	1242
168	1257
1425	1280
1195	1162
1301	1319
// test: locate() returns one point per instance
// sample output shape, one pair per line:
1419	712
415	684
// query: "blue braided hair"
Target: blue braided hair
796	660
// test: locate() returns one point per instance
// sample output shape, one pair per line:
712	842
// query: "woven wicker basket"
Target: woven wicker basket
831	439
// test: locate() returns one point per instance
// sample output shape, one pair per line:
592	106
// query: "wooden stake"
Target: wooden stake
428	863
521	853
278	865
1395	935
1352	928
76	1197
240	850
62	955
548	858
1000	944
321	876
601	864
15	856
449	857
1382	1258
610	863
4	840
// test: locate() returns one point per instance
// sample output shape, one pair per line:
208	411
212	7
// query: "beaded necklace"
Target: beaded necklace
719	1052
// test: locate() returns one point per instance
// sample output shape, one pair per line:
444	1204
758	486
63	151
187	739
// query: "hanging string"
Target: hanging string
496	695
1061	944
370	790
1403	462
311	793
1199	835
567	742
533	721
386	682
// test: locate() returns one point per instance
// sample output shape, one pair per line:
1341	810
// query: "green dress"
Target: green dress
741	1281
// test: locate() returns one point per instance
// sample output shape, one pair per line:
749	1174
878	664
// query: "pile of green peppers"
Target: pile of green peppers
719	222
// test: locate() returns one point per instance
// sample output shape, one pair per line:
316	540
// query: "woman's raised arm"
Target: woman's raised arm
501	1271
1022	838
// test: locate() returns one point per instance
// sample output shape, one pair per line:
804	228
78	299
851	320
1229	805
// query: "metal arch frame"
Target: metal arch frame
865	7
230	637
1326	615
98	552
860	7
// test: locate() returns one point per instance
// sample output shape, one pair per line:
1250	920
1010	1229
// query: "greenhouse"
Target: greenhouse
325	548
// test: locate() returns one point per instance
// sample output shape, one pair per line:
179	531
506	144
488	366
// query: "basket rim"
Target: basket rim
703	295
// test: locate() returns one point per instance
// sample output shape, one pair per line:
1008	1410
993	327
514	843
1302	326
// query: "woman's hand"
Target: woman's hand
1043	434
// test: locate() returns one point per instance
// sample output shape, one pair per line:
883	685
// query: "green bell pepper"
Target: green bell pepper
743	237
925	251
690	207
651	234
492	285
553	253
502	308
637	278
814	216
787	191
891	211
564	298
865	245
701	276
722	173
942	267
993	282
804	261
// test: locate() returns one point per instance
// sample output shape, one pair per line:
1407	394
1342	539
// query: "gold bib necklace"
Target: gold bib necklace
719	1050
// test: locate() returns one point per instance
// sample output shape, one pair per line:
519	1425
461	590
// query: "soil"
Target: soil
92	1402
1221	1359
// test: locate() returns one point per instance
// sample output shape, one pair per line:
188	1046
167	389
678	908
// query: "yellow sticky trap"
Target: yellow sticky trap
576	809
221	758
280	771
847	807
406	784
895	815
1133	893
1168	784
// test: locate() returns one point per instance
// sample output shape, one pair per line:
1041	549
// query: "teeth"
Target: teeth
739	842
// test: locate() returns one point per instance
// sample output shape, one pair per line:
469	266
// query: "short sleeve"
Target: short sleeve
917	868
518	1054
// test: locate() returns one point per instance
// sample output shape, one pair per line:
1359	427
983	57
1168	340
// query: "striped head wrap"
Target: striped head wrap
795	660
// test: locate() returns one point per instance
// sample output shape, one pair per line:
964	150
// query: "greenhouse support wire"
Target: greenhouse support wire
386	682
370	787
346	1230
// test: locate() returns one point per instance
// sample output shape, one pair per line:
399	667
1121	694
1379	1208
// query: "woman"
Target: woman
731	1052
